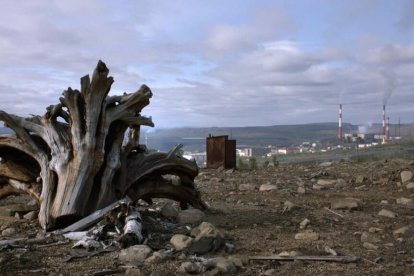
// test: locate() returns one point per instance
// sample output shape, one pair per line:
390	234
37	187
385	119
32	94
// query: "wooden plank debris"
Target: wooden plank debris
338	259
94	217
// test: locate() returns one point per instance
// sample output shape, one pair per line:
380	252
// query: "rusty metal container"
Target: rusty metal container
221	152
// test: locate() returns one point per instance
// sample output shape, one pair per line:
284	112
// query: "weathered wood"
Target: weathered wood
75	159
93	218
338	259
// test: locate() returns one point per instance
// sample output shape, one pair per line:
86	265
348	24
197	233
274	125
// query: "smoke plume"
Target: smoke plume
390	81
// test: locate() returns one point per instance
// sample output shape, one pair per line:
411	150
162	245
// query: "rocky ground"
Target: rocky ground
345	209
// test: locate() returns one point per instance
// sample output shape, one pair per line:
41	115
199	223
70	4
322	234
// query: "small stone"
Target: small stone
220	169
301	190
191	268
361	188
289	253
207	238
180	242
238	262
8	231
224	266
322	184
384	201
135	254
247	187
289	206
340	183
369	246
360	179
169	211
374	230
267	187
154	259
401	231
410	186
270	272
304	223
404	201
346	203
406	176
133	272
307	236
387	213
370	238
325	164
17	215
191	216
31	215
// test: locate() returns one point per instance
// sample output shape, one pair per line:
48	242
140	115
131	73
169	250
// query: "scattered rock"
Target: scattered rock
307	236
135	254
370	237
322	184
410	186
361	188
289	253
270	272
387	213
8	231
220	169
223	265
346	203
375	230
325	164
133	272
369	246
304	223
169	211
191	268
301	190
247	187
289	206
401	231
180	242
360	179
267	187
406	176
31	215
340	183
207	238
404	201
237	261
191	216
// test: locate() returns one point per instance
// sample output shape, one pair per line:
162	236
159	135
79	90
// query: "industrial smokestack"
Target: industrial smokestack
383	120
340	123
388	128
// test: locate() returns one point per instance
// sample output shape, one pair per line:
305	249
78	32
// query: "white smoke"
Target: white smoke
390	81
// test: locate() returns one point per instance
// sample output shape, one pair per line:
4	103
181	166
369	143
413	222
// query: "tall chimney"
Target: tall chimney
383	120
340	123
388	128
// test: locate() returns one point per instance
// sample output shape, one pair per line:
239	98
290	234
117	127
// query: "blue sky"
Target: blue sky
217	63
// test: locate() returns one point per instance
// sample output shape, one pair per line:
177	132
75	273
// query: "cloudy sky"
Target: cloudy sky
217	63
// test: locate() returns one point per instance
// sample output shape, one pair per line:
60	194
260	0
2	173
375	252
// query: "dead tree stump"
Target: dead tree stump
84	154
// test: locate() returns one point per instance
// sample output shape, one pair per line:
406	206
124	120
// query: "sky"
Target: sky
217	63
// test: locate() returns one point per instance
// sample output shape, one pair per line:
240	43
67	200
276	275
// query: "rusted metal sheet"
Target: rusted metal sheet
221	152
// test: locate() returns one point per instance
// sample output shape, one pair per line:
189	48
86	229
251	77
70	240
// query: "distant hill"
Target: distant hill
279	135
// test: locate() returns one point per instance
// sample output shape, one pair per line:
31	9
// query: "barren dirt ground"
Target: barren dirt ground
261	223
